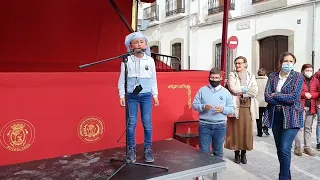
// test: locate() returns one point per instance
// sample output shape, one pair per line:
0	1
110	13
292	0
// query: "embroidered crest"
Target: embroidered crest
91	129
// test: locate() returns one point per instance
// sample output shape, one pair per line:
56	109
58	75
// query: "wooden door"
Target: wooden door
180	4
281	46
221	2
270	50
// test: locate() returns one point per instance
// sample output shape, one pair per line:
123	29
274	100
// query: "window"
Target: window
217	63
176	50
216	6
151	13
174	7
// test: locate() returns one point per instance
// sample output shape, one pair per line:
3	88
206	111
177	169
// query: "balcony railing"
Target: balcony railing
216	6
257	1
151	13
174	7
166	63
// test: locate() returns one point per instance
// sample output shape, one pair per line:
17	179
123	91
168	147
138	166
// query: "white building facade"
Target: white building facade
192	31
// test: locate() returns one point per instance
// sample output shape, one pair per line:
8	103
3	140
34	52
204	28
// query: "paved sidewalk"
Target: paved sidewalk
263	163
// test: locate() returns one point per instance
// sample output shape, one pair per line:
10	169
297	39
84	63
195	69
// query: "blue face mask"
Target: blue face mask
287	67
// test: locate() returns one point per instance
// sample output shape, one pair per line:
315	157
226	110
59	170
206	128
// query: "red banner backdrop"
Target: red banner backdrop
46	115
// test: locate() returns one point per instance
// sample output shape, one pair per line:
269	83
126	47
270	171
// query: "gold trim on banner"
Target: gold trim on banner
17	135
183	86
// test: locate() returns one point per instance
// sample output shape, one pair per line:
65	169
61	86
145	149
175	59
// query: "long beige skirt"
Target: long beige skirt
240	131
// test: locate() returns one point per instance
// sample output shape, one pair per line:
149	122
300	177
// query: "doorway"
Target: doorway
154	49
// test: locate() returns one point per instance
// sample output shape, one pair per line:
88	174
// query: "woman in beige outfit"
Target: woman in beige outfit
261	81
243	86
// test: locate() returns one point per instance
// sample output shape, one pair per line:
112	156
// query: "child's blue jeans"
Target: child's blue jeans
145	101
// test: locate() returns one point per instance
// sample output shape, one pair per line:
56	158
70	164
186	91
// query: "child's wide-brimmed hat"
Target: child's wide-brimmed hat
136	35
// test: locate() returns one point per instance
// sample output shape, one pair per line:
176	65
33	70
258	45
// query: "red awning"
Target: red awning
61	36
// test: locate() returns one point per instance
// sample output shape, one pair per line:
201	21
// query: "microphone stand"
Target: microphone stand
124	161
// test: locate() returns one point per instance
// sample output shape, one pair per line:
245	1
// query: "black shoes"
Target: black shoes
261	129
243	157
240	158
265	131
237	157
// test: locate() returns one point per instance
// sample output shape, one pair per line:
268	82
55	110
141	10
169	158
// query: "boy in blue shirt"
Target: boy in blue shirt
214	103
142	88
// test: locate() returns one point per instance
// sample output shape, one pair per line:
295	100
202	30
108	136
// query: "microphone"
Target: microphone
137	51
142	50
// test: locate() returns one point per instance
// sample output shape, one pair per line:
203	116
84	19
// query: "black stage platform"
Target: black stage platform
184	162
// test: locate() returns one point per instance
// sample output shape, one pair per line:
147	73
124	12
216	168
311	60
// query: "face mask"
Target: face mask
308	74
287	67
214	83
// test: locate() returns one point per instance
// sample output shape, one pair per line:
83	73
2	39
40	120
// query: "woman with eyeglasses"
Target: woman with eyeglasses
244	89
284	112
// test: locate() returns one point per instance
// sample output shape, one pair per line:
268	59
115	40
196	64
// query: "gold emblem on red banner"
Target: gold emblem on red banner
91	129
183	86
17	135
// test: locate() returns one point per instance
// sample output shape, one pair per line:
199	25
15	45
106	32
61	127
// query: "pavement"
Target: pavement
264	165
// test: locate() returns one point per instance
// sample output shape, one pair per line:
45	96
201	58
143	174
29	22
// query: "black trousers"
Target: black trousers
259	121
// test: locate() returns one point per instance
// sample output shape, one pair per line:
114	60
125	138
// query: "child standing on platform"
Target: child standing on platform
141	89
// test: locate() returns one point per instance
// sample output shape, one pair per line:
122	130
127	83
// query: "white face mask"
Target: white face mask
308	74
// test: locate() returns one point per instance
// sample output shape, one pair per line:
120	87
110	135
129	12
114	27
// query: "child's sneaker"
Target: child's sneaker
148	157
132	155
